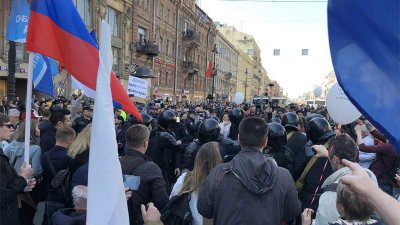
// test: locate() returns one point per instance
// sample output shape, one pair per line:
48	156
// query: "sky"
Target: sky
289	27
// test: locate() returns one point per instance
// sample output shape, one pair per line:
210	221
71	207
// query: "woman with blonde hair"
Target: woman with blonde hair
189	182
79	149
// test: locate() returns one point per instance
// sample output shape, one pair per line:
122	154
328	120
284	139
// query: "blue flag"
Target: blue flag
364	38
43	70
18	21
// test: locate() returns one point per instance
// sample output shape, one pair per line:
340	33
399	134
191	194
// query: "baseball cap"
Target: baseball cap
33	115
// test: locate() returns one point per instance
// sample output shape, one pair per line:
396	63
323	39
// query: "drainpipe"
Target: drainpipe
205	79
176	48
154	39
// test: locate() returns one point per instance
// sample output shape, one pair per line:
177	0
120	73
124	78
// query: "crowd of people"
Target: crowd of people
201	163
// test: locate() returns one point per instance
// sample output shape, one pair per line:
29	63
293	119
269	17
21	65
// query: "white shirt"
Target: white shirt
225	128
197	218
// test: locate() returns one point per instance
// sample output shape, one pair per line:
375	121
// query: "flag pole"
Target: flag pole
28	108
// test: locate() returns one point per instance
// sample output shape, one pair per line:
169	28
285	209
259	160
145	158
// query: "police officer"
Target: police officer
81	122
209	130
319	132
296	141
163	148
235	116
277	147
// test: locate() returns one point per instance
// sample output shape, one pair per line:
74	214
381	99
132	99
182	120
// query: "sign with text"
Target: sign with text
137	87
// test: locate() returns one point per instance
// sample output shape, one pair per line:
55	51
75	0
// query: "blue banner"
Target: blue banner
364	38
43	70
18	21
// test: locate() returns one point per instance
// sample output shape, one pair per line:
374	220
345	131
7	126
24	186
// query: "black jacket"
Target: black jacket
47	138
163	149
11	184
226	147
312	179
79	160
248	190
80	123
60	160
296	143
152	185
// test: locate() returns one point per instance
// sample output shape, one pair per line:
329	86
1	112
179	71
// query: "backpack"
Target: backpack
61	183
177	211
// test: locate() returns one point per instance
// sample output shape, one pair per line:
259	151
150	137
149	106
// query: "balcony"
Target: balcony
147	48
191	37
191	67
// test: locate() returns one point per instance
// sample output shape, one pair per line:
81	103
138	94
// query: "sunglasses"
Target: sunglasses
7	125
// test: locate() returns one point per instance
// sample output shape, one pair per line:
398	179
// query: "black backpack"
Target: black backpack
61	183
177	211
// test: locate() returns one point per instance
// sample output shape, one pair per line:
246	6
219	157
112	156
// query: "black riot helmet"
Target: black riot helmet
209	131
235	116
290	121
318	130
275	119
215	118
313	116
146	119
276	136
167	120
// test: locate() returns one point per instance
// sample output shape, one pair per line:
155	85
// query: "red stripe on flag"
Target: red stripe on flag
79	57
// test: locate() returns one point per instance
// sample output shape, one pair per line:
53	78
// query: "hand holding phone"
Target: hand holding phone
309	151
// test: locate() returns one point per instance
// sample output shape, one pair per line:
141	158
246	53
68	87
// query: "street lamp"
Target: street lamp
245	87
214	51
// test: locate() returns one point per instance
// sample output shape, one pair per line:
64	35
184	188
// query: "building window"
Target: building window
167	52
161	44
185	26
141	35
167	19
83	8
277	52
304	52
173	19
113	20
166	80
161	11
116	60
250	52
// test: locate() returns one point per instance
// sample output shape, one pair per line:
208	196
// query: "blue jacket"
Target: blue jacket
69	217
15	151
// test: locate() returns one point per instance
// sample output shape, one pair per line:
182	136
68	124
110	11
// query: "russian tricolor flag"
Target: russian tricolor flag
56	30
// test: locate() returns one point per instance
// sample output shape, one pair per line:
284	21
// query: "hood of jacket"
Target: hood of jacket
255	172
69	217
338	174
17	148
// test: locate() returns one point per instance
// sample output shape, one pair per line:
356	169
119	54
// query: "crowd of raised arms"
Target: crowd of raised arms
201	163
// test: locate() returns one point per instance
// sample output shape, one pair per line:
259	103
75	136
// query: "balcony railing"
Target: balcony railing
148	48
191	66
190	36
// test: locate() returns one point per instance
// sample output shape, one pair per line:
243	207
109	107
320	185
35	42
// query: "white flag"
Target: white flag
106	195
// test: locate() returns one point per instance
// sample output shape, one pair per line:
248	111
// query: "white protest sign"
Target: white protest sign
137	87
